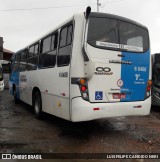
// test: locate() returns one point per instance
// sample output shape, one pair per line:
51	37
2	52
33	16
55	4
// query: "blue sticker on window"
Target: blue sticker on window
98	95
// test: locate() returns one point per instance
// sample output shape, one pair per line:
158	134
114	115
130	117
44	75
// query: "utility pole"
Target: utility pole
98	4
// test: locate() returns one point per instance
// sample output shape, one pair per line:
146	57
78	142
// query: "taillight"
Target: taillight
83	86
149	85
148	90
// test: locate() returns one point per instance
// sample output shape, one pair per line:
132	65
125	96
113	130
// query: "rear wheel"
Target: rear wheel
37	105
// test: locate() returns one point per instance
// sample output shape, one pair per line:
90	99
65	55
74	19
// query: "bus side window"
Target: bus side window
31	52
32	60
22	66
65	46
36	49
69	36
46	44
47	58
15	65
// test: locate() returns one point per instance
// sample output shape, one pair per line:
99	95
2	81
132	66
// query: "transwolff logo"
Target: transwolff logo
120	62
103	71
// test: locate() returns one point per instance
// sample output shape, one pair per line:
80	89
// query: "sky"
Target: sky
23	21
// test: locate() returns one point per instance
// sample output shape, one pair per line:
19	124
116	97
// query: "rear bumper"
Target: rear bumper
82	110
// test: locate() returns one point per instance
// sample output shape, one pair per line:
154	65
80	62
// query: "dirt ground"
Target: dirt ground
21	132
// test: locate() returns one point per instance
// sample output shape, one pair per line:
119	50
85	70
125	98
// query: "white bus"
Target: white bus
6	70
1	78
156	79
92	66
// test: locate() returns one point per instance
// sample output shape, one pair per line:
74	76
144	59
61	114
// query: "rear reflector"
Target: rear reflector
139	106
96	108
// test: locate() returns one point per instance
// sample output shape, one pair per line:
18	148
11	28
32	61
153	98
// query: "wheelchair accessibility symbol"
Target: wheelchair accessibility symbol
98	95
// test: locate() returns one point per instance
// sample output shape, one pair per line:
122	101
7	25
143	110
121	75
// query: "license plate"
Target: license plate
119	95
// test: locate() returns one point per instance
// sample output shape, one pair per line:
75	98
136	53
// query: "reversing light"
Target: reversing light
85	95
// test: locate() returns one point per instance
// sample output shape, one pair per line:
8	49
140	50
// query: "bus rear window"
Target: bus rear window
133	37
117	35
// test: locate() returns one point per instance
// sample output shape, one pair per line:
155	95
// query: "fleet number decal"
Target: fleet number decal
63	74
140	68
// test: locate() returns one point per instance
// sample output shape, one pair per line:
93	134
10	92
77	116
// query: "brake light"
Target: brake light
83	88
148	88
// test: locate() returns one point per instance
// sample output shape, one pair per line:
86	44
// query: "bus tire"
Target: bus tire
37	105
16	100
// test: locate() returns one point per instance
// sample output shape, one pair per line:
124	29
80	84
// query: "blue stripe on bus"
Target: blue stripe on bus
135	76
15	80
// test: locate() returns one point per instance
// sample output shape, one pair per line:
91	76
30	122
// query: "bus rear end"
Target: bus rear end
156	79
1	79
116	79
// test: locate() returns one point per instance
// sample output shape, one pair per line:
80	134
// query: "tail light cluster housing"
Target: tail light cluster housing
148	89
83	86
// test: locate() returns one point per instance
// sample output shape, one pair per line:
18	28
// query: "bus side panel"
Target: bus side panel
26	87
55	105
54	90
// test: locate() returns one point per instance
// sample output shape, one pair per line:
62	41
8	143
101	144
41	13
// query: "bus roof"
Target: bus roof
92	14
45	35
111	16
